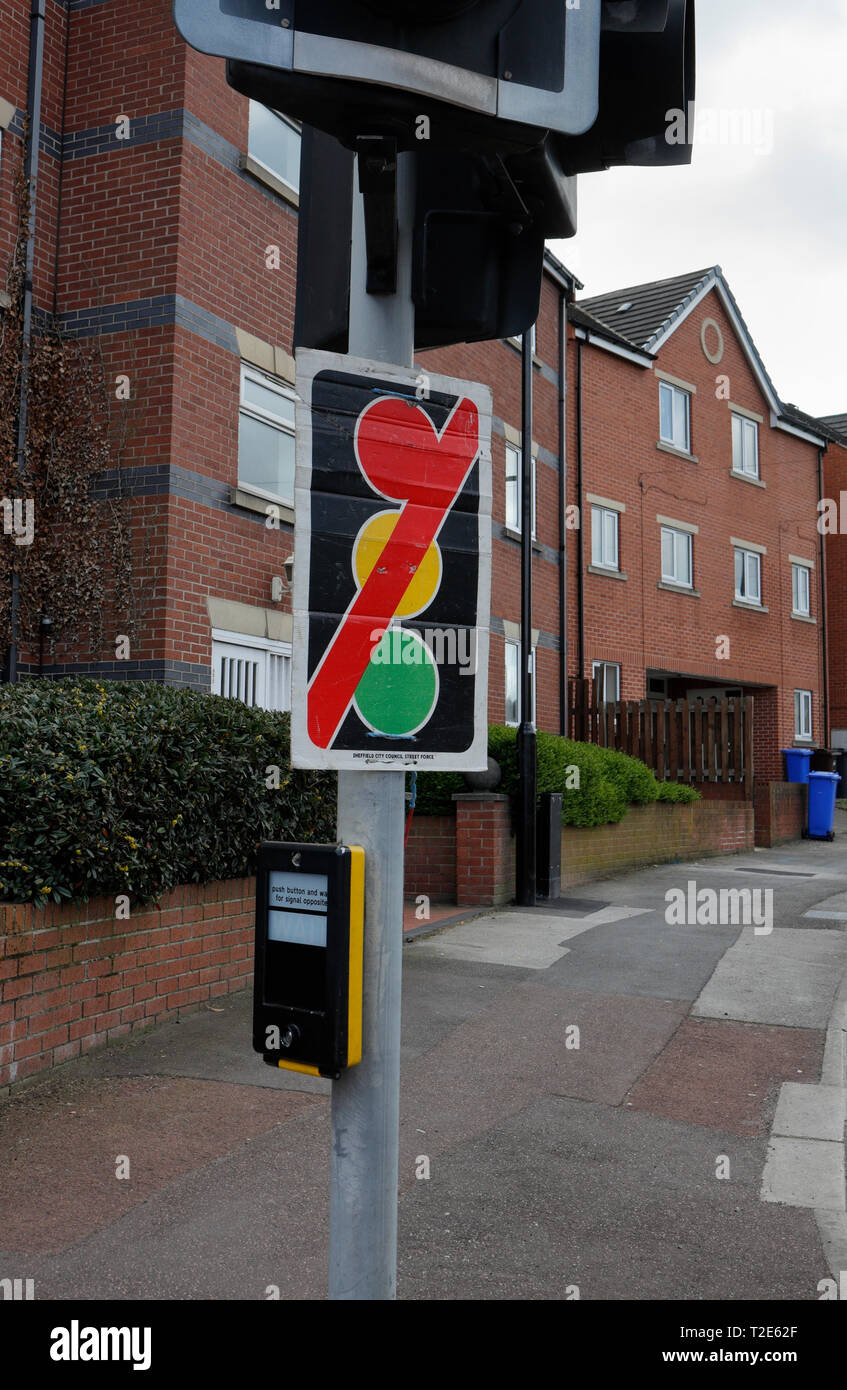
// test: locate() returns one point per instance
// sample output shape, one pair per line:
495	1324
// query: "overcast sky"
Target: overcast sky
772	214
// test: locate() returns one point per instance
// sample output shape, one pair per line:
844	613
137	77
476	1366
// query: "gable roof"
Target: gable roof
647	315
653	307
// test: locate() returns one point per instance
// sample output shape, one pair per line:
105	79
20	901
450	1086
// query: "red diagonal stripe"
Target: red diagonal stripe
342	667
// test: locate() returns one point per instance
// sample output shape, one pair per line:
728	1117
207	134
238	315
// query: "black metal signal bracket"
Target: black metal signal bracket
377	161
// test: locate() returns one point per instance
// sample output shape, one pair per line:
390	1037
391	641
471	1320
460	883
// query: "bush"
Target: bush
677	791
597	784
132	788
634	778
435	790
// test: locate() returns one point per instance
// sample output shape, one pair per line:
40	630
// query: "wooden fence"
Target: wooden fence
681	740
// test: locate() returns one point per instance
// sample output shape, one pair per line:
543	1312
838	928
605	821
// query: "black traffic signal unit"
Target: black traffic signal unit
308	956
478	244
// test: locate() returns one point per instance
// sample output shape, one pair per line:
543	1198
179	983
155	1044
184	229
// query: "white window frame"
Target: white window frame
600	556
512	654
803	715
797	590
258	669
745	446
270	383
604	668
672	439
751	562
286	121
678	536
513	513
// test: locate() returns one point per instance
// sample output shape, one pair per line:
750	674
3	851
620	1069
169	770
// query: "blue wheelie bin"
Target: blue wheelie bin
797	762
822	789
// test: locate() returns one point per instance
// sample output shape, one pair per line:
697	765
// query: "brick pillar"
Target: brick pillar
768	737
485	850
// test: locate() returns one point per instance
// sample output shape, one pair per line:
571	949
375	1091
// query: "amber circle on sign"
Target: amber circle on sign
423	583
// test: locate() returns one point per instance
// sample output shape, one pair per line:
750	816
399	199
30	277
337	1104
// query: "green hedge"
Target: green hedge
604	784
677	791
125	787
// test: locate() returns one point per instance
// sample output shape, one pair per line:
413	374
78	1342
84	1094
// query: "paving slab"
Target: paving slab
528	940
805	1173
789	977
810	1112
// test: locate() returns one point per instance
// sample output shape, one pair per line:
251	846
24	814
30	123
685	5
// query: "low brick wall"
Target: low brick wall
781	811
485	844
656	834
431	858
73	977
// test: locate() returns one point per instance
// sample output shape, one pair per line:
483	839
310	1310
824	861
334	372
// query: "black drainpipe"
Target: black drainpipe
580	535
35	81
824	644
563	532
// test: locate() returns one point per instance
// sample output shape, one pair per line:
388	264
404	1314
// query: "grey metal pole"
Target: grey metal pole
526	733
371	808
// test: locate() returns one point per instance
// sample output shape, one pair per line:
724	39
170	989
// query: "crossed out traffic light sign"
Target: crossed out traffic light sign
390	601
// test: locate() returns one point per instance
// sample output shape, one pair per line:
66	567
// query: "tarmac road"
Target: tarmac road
687	1142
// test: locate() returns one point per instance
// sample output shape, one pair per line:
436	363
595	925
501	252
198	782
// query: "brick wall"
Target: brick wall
430	865
657	834
74	977
781	811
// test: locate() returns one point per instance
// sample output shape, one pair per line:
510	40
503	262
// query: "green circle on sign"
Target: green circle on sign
399	688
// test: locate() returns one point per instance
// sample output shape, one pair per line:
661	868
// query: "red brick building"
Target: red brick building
834	527
166	224
708	577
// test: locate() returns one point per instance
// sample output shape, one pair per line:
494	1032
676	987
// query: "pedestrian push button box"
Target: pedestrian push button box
307	1002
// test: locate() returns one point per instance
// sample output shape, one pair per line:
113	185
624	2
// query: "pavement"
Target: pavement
597	1102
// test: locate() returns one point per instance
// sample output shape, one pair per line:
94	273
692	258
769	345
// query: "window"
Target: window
745	446
676	557
800	590
748	576
274	141
513	684
610	679
266	435
674	416
252	669
802	714
604	538
513	489
517	340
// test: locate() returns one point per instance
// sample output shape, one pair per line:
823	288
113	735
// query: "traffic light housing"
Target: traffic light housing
478	242
647	69
486	74
489	77
504	103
